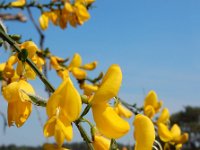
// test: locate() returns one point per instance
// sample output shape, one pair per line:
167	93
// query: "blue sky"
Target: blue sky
156	43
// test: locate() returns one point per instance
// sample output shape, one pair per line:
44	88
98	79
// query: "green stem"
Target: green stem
84	135
31	64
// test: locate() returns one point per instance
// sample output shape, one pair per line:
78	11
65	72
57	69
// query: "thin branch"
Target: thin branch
4	120
30	63
13	17
42	37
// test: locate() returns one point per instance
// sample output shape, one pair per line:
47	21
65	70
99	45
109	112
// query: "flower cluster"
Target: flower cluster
75	14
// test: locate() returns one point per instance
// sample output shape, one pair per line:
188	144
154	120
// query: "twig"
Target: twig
42	37
30	63
4	120
12	17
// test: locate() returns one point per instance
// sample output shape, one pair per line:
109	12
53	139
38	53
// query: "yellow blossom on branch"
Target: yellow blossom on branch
173	135
123	111
101	143
77	69
104	115
63	107
18	3
19	104
144	133
151	104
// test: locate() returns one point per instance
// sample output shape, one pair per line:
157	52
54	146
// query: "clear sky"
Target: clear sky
156	43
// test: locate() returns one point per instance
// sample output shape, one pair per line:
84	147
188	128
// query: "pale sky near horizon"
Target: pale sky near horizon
156	43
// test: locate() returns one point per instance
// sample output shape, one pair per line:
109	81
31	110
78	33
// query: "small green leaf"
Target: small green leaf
15	37
36	100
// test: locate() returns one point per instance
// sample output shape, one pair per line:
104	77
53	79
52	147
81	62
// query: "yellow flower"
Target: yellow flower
107	120
144	133
164	117
164	133
81	13
63	107
89	89
23	68
90	66
67	98
18	3
76	14
19	105
151	104
123	111
174	135
76	67
58	127
101	143
44	20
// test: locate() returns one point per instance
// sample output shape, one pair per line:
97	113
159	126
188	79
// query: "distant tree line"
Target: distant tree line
188	119
72	146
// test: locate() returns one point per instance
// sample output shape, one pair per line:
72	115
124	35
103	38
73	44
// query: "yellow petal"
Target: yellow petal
176	131
88	88
76	61
58	135
10	92
81	13
53	16
90	66
18	3
66	129
23	111
14	91
25	70
44	21
79	73
63	74
25	86
2	66
19	107
9	71
123	111
149	111
178	146
68	7
144	133
67	98
181	139
54	63
49	127
108	122
12	60
11	111
110	85
164	116
101	143
164	133
152	99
